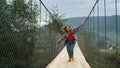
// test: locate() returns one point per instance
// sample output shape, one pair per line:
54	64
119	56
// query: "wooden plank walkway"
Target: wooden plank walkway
61	61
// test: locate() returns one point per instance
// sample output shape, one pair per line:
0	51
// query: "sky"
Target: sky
71	8
80	8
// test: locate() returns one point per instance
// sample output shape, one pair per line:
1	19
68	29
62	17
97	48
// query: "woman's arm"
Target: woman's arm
77	28
61	39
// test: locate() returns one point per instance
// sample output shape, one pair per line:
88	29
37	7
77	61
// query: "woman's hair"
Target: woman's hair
64	28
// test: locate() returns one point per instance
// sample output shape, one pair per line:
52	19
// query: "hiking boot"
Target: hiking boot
69	60
72	59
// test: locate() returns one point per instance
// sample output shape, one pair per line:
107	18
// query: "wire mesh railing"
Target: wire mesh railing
99	38
28	33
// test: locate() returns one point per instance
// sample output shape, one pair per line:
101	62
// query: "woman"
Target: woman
69	40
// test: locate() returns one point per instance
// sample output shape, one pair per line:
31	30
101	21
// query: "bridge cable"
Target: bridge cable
105	20
116	20
98	28
90	12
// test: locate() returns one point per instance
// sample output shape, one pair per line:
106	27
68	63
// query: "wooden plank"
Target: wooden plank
61	61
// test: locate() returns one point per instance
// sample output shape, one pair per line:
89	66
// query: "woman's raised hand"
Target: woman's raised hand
56	46
82	24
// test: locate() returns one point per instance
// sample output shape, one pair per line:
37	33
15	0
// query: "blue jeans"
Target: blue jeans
70	47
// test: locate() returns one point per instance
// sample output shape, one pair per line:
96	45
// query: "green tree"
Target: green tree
100	44
56	21
89	49
46	39
18	21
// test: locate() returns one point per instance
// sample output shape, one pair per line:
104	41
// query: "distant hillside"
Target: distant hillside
74	22
111	26
111	22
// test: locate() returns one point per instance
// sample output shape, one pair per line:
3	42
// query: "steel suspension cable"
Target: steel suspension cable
47	9
93	21
98	28
105	29
90	12
40	21
116	20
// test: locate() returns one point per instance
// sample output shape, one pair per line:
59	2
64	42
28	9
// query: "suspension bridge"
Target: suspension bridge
28	37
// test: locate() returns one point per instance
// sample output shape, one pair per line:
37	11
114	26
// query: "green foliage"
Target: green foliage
88	48
100	44
17	33
56	21
95	53
45	50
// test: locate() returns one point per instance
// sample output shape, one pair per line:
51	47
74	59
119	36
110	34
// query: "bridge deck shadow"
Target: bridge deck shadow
61	61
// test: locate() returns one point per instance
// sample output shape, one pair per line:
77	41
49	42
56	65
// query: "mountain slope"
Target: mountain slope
110	26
